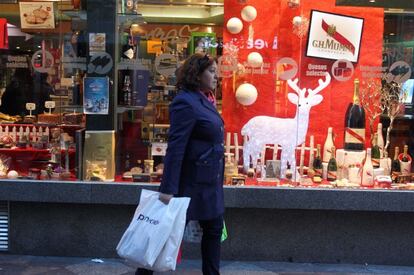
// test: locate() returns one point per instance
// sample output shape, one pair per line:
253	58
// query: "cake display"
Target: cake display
29	119
48	118
73	118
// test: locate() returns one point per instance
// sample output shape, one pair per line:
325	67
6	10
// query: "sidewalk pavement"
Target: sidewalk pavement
36	265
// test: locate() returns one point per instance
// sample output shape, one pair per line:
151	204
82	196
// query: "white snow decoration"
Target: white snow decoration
246	94
249	13
234	25
255	59
297	20
285	132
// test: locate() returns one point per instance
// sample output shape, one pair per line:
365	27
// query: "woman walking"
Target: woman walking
194	165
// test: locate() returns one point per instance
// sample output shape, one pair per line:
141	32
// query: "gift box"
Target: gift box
346	159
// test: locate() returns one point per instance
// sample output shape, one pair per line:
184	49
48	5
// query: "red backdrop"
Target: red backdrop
274	18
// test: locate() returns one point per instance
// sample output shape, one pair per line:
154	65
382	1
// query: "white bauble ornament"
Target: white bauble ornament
246	94
255	59
249	13
234	25
297	20
12	174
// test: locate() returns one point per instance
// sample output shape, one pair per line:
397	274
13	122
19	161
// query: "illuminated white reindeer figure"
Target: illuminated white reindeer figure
286	132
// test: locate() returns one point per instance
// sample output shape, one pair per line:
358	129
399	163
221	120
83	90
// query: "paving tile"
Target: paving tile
106	268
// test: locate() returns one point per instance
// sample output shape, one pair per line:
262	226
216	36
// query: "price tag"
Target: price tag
50	104
30	106
158	148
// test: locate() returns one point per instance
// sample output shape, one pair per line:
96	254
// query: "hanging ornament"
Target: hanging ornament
293	3
249	14
255	59
246	94
297	20
234	25
300	25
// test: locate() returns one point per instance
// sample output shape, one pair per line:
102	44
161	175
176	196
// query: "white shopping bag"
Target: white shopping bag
167	260
150	228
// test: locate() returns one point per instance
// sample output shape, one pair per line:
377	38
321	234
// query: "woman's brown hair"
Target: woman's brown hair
188	74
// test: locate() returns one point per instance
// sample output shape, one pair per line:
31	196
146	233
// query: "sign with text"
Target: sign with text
37	15
334	36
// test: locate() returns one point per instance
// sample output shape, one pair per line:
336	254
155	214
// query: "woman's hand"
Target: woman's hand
165	198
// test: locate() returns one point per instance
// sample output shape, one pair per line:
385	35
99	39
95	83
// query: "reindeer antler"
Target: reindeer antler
294	85
322	85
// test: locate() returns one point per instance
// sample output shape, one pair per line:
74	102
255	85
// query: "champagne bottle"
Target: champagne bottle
328	146
367	179
126	91
317	162
405	163
355	123
380	141
376	153
332	166
395	165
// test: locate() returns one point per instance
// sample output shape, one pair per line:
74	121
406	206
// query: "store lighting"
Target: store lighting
392	34
18	48
39	47
372	1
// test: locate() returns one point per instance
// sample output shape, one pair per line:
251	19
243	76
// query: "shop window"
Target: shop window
85	94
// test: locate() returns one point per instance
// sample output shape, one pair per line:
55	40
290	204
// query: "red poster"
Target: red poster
4	39
273	36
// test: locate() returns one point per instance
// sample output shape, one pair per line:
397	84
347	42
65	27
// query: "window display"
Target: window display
312	94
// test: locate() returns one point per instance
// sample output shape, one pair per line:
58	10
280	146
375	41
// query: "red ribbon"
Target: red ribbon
332	174
339	37
355	134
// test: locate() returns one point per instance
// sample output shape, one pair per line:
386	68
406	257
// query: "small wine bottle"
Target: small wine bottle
317	162
355	123
367	179
332	166
250	171
127	162
380	141
259	169
395	165
376	152
288	173
328	146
